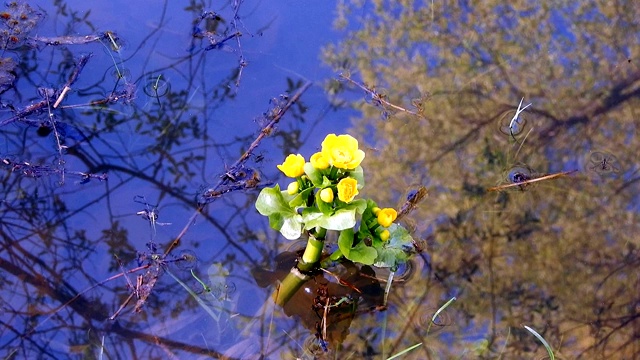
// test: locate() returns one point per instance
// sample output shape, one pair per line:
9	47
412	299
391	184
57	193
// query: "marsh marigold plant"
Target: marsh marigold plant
324	197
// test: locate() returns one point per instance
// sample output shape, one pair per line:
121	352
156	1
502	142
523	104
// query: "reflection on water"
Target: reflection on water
547	257
156	118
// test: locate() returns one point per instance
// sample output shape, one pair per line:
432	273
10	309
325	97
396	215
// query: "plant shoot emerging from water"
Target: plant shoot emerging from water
325	197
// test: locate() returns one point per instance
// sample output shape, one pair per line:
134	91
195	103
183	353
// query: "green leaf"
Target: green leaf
314	174
389	258
311	217
360	253
368	214
282	217
272	201
276	220
359	205
358	174
340	220
301	198
292	227
289	225
363	254
395	250
345	242
336	255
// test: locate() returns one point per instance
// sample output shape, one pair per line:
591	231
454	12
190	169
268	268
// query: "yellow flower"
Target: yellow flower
318	161
387	216
293	166
326	195
293	188
347	189
342	151
384	235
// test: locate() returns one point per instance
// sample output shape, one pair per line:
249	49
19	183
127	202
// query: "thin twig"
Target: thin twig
243	63
266	130
39	106
521	183
378	97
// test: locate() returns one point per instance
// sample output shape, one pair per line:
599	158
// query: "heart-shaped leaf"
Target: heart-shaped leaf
394	251
282	217
340	220
272	201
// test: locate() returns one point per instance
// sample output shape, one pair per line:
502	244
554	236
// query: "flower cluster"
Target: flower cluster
324	196
339	156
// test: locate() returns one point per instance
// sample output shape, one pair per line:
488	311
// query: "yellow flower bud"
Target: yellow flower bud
293	165
384	235
387	216
376	210
293	188
342	151
326	195
347	189
318	161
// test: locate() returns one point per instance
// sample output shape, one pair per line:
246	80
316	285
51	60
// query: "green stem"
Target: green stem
319	233
336	256
373	224
296	277
333	173
289	286
311	255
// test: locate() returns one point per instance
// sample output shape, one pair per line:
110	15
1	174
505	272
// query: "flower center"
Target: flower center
341	155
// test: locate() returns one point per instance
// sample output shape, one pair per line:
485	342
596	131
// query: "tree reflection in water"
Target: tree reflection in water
560	257
81	278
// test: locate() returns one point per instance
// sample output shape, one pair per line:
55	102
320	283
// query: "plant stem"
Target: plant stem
312	254
289	286
296	277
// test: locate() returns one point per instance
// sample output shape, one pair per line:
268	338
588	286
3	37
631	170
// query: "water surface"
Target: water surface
98	188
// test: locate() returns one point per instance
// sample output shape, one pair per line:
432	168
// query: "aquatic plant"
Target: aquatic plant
324	196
